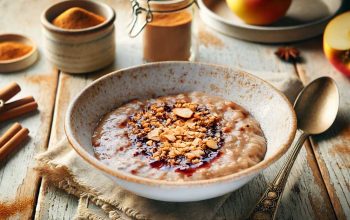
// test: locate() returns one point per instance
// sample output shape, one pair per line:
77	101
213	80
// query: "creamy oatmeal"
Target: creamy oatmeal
179	138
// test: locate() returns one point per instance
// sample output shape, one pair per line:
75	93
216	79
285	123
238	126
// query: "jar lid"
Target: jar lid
167	5
147	7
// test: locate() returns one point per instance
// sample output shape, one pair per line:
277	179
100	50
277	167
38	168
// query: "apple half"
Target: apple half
336	42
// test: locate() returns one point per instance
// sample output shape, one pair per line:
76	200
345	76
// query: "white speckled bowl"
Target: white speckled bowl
263	101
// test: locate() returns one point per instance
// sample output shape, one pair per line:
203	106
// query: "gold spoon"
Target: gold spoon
316	108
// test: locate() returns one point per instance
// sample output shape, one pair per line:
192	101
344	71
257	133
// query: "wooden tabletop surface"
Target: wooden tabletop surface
319	184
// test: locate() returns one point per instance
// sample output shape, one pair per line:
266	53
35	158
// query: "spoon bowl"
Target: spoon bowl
317	105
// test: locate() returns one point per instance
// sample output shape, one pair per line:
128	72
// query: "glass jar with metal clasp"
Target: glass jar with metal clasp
168	28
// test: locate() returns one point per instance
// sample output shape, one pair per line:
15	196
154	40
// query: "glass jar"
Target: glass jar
169	31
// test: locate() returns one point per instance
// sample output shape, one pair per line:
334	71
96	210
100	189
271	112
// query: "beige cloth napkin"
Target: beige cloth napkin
101	198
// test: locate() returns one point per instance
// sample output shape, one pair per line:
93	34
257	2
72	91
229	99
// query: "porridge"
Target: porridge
183	137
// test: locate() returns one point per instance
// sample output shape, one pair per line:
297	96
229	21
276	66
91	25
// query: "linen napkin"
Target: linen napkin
101	198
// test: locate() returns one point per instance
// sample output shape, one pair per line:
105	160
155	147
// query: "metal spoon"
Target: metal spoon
316	108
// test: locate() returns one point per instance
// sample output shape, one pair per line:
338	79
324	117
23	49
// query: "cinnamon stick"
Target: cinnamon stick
9	91
18	111
13	143
17	103
9	133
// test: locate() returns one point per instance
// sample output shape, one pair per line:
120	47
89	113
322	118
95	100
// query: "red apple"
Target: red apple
336	42
259	12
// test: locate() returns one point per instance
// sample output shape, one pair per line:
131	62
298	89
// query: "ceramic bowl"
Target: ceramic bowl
79	50
269	106
22	62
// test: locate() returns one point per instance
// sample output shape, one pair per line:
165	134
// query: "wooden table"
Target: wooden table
318	187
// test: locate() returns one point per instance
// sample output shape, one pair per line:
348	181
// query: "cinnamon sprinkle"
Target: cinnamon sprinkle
11	208
208	39
11	50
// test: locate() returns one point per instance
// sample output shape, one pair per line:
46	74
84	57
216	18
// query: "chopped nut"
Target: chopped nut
198	153
196	115
178	131
202	129
211	144
196	142
185	131
160	109
172	154
166	145
190	156
183	112
195	161
145	124
154	134
170	137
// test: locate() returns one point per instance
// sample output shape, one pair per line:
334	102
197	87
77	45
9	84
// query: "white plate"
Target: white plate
304	19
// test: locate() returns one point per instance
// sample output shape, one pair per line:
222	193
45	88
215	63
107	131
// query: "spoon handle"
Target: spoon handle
267	206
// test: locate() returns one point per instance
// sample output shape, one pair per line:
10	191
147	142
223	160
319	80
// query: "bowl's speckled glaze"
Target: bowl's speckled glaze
271	108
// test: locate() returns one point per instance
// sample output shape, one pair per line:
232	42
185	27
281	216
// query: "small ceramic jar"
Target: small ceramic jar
79	50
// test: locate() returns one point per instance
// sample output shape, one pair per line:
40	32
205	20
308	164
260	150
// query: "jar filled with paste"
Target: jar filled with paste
169	30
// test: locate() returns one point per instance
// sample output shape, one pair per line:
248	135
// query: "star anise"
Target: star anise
289	54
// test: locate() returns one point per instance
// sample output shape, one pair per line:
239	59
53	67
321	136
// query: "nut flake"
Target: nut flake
183	112
154	134
170	137
211	144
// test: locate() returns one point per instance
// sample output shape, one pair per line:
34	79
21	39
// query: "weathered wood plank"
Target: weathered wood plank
18	181
332	149
58	204
306	196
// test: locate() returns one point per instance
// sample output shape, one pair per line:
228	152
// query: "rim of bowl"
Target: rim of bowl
48	25
142	180
28	42
266	28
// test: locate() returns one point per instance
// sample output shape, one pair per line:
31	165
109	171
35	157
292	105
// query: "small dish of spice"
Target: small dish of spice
17	52
79	35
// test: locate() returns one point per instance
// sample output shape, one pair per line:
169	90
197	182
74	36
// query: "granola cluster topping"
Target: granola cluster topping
183	135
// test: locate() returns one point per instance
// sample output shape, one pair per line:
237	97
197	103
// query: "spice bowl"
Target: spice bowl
22	62
79	50
265	103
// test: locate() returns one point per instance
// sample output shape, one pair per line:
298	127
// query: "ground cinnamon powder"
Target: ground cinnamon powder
10	50
9	209
77	18
168	37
